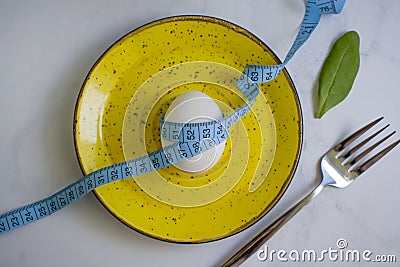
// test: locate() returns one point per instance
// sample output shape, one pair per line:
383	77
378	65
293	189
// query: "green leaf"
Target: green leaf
338	72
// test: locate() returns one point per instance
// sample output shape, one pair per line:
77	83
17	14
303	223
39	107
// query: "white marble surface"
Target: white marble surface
47	48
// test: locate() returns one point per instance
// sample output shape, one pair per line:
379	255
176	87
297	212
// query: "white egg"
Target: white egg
195	106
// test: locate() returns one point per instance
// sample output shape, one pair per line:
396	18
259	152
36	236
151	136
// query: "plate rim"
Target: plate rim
247	34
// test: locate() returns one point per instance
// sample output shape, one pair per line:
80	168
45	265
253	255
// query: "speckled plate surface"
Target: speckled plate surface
117	118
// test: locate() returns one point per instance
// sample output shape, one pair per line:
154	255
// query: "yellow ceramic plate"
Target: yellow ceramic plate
130	87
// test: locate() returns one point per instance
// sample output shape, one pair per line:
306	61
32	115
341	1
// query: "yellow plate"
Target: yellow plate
130	87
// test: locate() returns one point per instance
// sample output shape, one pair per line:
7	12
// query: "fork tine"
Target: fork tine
369	149
357	147
375	158
346	142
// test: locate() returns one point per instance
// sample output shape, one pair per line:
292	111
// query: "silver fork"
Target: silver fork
339	166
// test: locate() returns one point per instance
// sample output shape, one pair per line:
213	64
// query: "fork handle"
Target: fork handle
252	246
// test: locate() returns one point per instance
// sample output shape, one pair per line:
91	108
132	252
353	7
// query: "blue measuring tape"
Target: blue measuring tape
189	139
